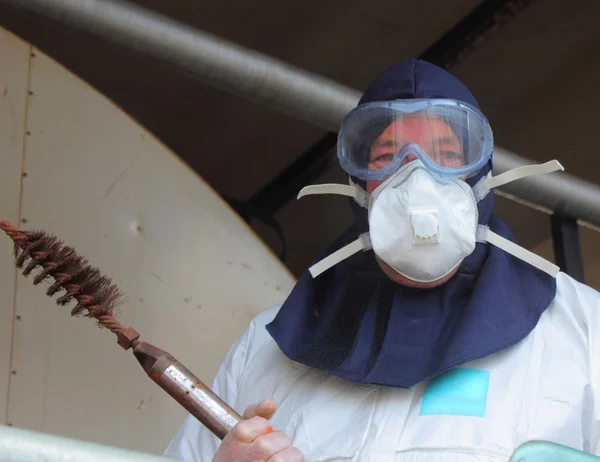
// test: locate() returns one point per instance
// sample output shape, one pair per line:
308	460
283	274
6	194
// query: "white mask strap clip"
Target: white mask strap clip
484	234
351	190
362	243
483	187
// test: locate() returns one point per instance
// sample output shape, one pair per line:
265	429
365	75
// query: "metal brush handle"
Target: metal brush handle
187	389
100	298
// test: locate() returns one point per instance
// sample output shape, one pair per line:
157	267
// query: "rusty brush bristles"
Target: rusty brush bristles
93	292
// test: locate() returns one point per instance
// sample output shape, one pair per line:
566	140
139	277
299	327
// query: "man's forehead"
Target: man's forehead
418	123
416	127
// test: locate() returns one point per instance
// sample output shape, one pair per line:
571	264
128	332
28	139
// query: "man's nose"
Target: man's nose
408	158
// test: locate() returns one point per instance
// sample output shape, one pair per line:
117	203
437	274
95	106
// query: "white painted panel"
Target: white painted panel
14	63
194	273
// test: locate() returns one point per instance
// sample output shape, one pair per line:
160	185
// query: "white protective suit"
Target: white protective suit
543	388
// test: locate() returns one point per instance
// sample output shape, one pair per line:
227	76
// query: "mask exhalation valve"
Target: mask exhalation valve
425	226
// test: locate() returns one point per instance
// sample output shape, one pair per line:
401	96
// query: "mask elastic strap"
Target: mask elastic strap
484	234
362	243
480	190
351	190
483	187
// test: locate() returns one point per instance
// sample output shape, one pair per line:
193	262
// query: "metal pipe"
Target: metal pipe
262	79
210	59
20	444
559	192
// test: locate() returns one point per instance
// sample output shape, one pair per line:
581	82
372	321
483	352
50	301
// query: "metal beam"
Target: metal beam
285	186
567	248
472	31
249	74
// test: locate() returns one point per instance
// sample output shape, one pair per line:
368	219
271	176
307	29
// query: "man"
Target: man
424	333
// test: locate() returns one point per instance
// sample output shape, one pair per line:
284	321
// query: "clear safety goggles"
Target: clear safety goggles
452	139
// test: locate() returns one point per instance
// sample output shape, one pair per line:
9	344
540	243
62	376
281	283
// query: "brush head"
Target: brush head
96	296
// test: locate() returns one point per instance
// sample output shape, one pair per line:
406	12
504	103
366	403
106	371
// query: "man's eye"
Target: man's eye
453	157
383	158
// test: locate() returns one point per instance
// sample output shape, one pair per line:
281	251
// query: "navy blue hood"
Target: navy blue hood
414	79
354	322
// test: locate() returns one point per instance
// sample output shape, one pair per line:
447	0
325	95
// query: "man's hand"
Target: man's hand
254	440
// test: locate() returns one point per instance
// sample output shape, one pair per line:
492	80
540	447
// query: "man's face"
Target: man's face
434	136
438	141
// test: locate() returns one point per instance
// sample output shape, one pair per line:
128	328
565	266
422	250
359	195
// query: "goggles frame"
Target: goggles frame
410	106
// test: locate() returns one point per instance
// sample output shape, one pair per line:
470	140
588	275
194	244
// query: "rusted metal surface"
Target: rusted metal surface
128	338
187	389
14	233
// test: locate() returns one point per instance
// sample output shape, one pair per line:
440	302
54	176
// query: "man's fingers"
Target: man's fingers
249	412
247	431
254	439
288	455
266	446
265	409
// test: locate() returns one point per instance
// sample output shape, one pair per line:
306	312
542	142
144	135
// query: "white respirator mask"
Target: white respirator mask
423	226
420	226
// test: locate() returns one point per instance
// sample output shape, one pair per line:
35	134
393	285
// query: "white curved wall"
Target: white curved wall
194	273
